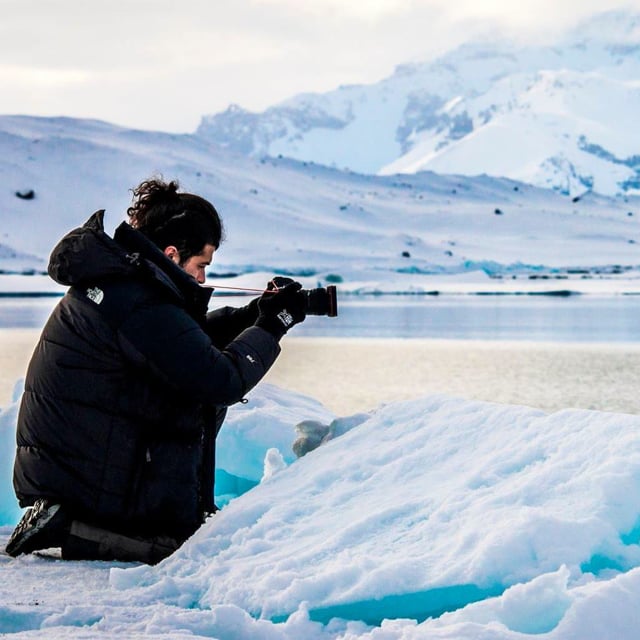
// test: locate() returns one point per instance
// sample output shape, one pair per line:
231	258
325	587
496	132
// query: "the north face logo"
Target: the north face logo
286	318
95	295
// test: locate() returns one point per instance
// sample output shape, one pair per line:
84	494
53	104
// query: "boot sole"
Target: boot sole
27	541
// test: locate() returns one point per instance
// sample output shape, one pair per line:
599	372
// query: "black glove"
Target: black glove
279	311
279	282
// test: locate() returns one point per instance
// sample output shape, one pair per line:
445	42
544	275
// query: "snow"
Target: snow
396	234
437	517
536	120
9	509
534	106
361	150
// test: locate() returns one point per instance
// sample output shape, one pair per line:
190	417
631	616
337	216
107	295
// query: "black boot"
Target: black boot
42	526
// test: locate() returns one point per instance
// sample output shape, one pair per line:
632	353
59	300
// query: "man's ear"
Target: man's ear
172	253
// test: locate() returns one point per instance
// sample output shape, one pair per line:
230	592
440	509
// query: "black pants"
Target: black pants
87	542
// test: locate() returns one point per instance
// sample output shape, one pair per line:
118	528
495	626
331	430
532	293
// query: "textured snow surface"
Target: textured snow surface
431	518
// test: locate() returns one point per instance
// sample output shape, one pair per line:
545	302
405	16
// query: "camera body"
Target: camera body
322	301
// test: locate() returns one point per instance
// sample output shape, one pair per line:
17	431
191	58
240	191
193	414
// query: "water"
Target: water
532	318
538	318
25	313
551	353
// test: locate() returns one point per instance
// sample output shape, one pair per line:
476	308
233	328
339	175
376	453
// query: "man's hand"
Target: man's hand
280	310
279	282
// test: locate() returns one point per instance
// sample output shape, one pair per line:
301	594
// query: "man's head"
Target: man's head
186	227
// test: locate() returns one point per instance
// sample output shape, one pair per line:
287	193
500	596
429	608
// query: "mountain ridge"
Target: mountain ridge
301	218
407	121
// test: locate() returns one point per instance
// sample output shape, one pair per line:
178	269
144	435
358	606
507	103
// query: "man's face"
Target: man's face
196	265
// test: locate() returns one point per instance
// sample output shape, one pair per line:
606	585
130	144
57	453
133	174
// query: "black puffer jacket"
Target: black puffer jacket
128	385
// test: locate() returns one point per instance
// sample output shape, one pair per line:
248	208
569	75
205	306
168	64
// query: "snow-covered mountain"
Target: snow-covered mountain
561	117
367	232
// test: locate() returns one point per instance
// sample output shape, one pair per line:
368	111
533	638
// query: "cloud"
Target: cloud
40	77
369	11
162	64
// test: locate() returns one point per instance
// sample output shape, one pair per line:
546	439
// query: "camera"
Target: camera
321	301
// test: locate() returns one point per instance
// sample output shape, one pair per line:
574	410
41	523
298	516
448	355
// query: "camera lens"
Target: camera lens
321	301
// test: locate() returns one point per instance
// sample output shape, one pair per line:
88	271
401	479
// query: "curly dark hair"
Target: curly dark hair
168	217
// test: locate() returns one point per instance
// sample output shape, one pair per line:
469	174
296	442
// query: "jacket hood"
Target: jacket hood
87	253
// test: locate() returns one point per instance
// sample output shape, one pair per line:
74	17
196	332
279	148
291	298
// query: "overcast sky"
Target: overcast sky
162	64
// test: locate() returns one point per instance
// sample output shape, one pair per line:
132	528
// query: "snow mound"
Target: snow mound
423	508
266	422
433	518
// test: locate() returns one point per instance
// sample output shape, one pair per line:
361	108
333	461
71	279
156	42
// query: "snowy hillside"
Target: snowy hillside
561	117
368	233
432	518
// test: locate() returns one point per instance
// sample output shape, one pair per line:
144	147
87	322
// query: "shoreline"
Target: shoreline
358	374
475	283
352	375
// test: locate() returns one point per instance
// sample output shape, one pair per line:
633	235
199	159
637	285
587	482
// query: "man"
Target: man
129	383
